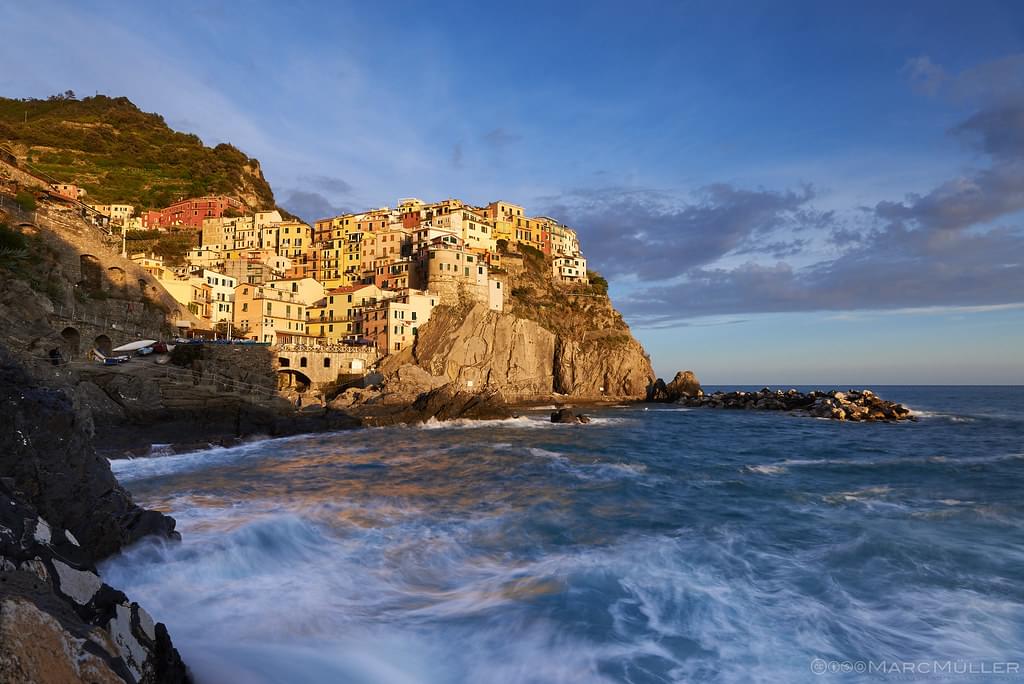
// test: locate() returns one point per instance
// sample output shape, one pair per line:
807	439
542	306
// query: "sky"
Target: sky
778	193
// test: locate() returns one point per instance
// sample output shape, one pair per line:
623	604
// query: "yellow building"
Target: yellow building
394	324
119	214
337	317
295	241
503	216
269	315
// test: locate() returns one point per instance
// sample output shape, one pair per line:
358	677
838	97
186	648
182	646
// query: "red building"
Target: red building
150	219
191	212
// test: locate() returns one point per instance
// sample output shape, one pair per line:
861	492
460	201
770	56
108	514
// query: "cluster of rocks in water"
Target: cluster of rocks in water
853	405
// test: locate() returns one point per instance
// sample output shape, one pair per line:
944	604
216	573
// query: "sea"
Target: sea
655	544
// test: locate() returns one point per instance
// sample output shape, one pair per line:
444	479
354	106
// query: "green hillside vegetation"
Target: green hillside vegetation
121	154
171	245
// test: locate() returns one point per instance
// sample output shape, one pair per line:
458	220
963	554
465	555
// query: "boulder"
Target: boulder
353	396
565	415
683	386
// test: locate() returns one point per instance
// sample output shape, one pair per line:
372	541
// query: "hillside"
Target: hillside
121	154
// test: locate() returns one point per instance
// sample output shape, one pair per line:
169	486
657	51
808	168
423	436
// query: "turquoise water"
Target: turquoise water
660	545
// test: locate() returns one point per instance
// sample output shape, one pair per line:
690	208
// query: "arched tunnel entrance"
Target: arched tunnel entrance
72	342
103	345
290	379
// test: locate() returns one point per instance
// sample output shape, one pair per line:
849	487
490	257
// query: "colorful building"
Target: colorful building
394	324
337	318
190	213
269	315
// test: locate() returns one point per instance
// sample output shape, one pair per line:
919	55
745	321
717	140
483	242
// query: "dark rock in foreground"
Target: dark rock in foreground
61	511
59	621
564	415
854	405
48	457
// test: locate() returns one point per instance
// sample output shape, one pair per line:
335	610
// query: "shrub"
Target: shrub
11	239
597	282
26	200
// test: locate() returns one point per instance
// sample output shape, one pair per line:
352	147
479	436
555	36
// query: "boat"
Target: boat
133	346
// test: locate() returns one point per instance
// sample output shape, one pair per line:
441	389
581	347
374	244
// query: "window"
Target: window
327	362
302	362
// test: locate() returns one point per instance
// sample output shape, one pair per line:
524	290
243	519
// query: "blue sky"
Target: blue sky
779	192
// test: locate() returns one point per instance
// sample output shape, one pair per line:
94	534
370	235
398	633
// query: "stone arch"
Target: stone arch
116	275
91	273
294	380
72	341
103	344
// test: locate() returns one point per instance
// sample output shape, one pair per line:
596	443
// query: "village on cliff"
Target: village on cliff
359	279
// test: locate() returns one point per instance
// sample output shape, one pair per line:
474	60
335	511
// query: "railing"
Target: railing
347	348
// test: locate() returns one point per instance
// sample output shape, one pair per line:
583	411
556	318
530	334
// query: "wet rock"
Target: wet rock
46	454
59	622
566	415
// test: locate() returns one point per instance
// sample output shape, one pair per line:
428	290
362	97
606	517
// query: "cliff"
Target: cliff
118	153
519	358
552	339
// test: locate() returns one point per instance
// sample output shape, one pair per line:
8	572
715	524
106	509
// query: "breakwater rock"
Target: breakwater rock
854	405
565	415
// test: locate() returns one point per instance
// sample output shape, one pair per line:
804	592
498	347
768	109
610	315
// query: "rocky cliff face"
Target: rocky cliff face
595	365
551	339
479	349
